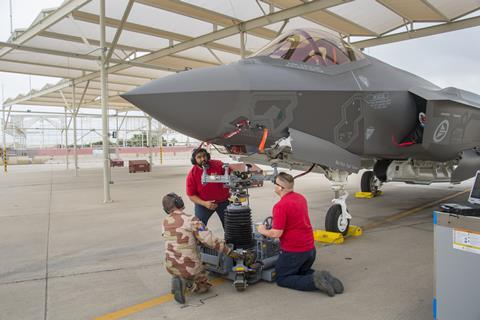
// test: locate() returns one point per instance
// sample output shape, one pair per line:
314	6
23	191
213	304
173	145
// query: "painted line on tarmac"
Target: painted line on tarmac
147	304
403	214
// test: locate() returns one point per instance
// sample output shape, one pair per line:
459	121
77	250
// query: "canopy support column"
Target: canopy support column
66	140
4	129
149	142
242	44
75	112
104	86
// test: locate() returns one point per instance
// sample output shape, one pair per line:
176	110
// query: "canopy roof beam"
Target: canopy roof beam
46	22
119	31
82	56
203	14
76	39
149	31
419	33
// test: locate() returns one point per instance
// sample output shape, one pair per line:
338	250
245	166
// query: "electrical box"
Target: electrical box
456	267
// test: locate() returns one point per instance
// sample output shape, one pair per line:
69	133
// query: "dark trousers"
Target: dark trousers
204	214
294	270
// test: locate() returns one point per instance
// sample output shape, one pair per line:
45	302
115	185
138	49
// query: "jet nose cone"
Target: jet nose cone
192	102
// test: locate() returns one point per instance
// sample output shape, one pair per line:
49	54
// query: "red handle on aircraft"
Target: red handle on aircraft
403	144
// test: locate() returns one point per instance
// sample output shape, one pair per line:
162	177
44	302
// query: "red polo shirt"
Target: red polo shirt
209	191
290	214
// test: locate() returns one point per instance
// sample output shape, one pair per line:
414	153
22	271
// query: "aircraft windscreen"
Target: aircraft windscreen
312	47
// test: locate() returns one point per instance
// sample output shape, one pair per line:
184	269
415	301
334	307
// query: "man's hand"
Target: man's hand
261	228
210	205
272	233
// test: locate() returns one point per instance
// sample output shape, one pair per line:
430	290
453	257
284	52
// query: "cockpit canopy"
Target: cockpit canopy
312	47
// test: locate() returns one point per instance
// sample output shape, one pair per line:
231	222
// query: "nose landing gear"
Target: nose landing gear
338	218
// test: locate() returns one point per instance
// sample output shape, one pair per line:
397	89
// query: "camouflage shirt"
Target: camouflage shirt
182	234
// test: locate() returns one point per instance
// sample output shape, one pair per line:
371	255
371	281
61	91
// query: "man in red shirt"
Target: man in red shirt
210	197
291	224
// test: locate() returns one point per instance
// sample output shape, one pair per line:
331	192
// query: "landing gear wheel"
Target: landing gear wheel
368	183
240	282
333	220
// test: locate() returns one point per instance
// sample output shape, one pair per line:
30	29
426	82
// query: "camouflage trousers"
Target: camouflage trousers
197	283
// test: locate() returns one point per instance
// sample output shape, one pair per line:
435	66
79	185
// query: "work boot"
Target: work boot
178	289
322	284
336	284
202	289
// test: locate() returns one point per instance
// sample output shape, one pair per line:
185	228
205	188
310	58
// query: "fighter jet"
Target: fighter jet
309	100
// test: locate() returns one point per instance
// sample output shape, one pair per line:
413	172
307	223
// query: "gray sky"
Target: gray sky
450	59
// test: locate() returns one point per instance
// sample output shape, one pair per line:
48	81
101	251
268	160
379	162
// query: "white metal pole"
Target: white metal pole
242	44
75	111
116	134
81	129
66	138
4	129
43	132
103	76
149	142
11	18
125	137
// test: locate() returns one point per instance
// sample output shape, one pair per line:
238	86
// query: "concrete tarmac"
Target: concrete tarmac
66	255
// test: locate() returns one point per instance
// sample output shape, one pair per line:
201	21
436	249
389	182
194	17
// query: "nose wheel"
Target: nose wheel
337	218
335	221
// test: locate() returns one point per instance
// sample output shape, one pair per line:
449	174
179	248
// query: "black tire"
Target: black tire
380	169
241	285
332	220
240	289
367	181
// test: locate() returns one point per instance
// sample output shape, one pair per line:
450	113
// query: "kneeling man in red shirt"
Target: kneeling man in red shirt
291	224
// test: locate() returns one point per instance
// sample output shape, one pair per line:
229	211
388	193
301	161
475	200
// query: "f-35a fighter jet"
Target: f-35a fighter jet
310	100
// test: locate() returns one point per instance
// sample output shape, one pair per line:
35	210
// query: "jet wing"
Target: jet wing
452	125
450	93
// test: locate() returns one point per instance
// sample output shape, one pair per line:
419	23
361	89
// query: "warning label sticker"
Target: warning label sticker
466	240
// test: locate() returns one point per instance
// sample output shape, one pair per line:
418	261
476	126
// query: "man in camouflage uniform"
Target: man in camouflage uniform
182	234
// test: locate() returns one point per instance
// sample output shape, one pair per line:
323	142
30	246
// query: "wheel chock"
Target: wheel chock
328	237
367	195
354	231
336	237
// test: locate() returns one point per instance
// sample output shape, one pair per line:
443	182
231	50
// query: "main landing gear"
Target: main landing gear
370	183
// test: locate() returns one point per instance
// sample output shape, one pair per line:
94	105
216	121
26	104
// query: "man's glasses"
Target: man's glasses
275	183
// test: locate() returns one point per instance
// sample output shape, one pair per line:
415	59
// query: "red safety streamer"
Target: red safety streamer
261	147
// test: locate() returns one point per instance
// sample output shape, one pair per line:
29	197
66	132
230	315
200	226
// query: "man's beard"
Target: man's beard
203	164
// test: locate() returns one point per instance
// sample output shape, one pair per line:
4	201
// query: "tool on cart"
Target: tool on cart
260	253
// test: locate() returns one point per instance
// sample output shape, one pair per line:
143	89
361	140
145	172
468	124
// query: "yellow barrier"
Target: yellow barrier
367	195
354	231
336	237
328	237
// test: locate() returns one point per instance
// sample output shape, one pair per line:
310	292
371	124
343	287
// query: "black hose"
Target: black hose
238	227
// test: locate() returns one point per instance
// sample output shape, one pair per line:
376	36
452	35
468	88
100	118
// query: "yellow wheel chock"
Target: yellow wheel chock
335	237
367	195
328	237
